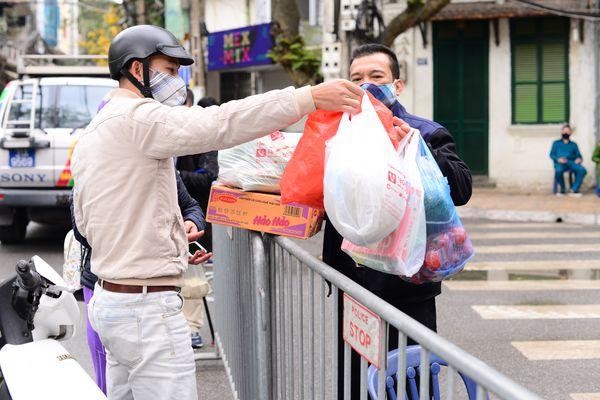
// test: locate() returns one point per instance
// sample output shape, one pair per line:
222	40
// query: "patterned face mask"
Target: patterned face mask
385	93
168	89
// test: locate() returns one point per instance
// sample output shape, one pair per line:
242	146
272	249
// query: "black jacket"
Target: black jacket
198	172
190	210
390	287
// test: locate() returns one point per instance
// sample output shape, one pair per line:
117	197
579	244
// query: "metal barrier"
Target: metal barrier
278	329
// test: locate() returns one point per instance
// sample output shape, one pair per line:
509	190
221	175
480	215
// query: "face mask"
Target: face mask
385	93
566	136
168	89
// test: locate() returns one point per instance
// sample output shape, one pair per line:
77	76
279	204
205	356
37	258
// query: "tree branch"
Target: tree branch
415	12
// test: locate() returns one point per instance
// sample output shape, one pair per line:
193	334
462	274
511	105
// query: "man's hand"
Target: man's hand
562	160
578	160
401	129
191	230
337	95
199	257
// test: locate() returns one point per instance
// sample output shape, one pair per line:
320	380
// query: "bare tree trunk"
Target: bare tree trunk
287	15
140	12
417	11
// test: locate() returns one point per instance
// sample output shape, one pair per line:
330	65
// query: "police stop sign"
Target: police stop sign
362	330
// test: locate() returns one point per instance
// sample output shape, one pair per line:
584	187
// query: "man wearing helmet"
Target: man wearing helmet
125	202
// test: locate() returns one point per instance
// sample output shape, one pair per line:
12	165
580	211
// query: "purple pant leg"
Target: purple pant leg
96	348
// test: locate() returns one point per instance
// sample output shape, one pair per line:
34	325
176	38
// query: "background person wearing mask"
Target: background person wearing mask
375	68
125	204
198	171
566	156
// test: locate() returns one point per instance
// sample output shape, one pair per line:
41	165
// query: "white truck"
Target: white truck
42	115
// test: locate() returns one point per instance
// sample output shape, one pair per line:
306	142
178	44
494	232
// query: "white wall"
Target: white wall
221	15
518	154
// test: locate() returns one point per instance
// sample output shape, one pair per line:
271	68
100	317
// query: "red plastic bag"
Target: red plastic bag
302	180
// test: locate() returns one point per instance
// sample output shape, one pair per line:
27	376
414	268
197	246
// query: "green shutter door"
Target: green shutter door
460	87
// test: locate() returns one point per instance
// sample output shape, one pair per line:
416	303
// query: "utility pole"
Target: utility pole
596	44
196	43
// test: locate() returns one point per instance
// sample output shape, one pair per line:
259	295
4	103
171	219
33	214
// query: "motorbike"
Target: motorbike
37	310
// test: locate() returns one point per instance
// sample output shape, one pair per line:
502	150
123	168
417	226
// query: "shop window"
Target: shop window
540	70
235	85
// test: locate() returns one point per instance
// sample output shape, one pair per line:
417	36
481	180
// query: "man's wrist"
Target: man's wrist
305	100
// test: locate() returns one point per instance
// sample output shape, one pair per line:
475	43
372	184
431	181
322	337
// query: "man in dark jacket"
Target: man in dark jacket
199	171
194	224
375	67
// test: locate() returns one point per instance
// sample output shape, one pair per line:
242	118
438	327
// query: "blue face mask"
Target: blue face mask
385	93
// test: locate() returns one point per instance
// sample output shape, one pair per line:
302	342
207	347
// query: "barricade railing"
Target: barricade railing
277	319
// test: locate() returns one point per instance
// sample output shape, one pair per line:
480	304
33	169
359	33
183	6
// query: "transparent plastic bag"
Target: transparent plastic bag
73	262
196	285
403	251
258	165
364	199
448	246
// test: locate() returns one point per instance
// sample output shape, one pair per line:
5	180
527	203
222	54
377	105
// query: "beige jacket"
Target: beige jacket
125	197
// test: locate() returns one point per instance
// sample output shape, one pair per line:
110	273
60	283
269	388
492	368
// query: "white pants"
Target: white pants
147	341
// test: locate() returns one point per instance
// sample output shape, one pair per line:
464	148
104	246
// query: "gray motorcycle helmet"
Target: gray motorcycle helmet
139	43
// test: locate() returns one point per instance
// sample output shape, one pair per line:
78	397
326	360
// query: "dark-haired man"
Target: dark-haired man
375	68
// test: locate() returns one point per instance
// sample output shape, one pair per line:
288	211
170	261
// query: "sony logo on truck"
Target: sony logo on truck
24	178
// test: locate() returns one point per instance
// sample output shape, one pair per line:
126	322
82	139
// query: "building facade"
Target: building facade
501	75
504	78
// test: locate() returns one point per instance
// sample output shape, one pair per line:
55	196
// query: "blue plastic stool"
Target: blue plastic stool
413	361
571	180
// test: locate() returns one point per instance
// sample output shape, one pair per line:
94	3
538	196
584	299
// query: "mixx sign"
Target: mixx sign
238	48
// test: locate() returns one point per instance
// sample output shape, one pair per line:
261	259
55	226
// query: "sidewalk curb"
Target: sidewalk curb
529	216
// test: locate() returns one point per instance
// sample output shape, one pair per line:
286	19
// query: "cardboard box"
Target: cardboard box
262	212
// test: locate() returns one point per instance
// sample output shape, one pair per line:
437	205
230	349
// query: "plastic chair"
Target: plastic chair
413	360
571	180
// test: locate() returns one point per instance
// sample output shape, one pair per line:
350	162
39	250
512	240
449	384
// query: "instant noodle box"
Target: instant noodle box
262	212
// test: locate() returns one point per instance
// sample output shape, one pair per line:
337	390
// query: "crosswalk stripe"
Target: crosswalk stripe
559	349
535	235
532	265
517	225
537	248
585	396
538	311
568	284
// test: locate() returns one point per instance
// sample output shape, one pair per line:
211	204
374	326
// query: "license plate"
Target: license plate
21	158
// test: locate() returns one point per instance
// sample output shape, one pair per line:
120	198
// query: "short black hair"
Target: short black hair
207	101
374	48
189	98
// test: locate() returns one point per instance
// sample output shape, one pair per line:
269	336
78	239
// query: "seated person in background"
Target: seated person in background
566	156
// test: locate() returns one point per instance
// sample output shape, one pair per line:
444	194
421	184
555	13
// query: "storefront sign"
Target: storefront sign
239	48
362	330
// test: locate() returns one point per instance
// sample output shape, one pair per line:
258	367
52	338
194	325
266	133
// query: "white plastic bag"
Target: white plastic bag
403	251
365	189
258	165
73	263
